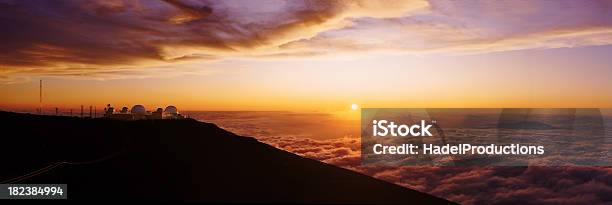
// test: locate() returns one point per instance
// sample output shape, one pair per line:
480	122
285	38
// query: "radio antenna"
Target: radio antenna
40	111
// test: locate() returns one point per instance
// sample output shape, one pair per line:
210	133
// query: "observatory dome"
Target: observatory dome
138	109
171	110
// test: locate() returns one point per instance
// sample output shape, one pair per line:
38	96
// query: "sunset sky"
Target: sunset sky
318	56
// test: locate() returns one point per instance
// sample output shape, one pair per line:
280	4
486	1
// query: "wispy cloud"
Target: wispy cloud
106	36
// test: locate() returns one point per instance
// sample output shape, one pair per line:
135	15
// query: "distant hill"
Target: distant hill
525	125
176	160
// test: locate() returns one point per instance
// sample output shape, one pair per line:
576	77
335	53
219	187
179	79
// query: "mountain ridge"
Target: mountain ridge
177	160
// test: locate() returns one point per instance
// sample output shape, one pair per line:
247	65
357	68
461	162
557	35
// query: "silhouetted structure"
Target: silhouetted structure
171	112
157	114
40	109
139	112
109	112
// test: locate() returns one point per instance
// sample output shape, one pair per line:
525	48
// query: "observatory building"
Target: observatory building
139	112
171	112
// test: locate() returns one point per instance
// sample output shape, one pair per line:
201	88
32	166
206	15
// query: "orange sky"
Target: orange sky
547	78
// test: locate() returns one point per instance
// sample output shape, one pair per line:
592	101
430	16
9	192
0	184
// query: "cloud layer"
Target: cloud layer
92	38
466	185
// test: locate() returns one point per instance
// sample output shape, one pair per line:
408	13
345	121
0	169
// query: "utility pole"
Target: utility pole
90	112
40	111
81	111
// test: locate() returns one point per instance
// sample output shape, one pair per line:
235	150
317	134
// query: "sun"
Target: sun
354	106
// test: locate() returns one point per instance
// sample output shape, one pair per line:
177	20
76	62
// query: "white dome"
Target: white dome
138	109
171	110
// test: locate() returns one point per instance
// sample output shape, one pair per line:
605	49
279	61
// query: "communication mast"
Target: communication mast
40	111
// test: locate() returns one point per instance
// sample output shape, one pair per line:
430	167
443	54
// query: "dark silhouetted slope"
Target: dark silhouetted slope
182	160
